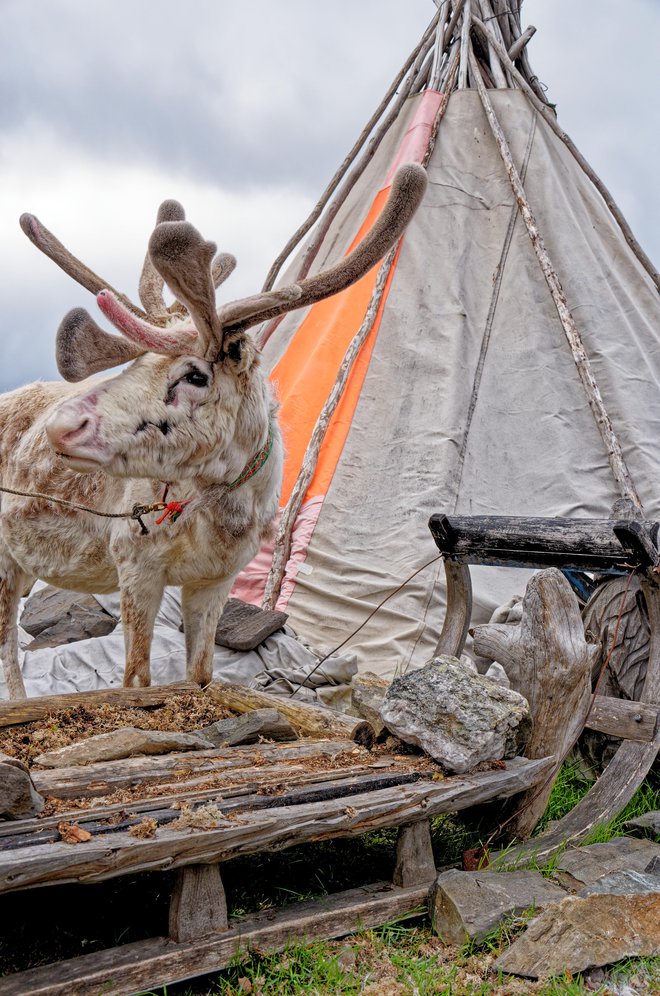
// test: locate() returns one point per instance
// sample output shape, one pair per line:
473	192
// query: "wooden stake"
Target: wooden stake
414	855
543	109
603	421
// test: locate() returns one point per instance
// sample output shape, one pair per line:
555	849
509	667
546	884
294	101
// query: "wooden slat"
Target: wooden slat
159	962
29	710
582	544
108	776
108	856
623	718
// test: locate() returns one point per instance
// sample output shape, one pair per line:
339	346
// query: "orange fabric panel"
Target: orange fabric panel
305	375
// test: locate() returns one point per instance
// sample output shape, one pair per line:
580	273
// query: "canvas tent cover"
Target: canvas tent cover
465	397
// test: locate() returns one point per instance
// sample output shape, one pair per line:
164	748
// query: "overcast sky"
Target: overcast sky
242	111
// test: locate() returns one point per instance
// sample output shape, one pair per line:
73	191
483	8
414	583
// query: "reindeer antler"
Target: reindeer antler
408	189
44	240
151	282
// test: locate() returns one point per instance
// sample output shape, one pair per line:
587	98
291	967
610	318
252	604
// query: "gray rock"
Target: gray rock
368	691
243	626
54	617
18	797
583	932
647	825
623	883
581	866
458	717
653	867
248	728
468	905
127	742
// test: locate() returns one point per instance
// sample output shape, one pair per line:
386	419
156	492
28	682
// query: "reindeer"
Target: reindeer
192	414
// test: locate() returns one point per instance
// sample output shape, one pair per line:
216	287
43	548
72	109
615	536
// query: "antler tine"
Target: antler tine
408	188
44	240
151	282
222	267
83	348
172	341
183	258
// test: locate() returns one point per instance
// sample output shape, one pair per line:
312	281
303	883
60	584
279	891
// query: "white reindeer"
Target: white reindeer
192	412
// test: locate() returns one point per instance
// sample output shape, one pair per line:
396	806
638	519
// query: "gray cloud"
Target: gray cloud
244	111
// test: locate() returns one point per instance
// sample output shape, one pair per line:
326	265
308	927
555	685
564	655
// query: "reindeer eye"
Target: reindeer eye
196	378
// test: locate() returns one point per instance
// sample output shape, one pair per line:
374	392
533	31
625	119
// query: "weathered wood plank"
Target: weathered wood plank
273	829
29	710
160	961
581	544
623	718
107	776
319	791
308	719
243	793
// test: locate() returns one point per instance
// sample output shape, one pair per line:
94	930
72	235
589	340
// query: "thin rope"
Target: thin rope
364	623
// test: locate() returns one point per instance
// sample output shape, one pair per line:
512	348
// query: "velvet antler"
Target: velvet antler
408	189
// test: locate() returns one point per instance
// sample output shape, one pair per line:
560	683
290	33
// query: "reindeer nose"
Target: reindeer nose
68	428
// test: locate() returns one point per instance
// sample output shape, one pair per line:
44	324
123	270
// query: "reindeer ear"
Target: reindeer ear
83	348
239	352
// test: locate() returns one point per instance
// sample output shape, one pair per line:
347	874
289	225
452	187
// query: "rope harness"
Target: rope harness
171	509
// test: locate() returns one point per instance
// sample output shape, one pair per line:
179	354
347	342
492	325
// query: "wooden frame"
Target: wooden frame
265	797
600	545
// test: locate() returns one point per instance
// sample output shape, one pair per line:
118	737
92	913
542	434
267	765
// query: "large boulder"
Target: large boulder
457	716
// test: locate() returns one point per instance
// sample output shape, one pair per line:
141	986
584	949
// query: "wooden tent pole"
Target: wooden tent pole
465	38
603	421
548	116
412	61
282	547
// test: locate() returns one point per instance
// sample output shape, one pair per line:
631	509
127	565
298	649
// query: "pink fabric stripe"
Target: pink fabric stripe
251	582
416	140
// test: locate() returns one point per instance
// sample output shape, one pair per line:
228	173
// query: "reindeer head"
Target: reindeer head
193	402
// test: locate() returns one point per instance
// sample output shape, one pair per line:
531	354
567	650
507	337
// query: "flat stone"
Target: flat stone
585	932
248	728
457	716
467	905
55	617
647	825
580	866
623	883
127	742
18	797
243	626
368	692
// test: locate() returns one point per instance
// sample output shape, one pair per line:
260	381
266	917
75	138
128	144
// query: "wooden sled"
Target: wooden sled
617	545
270	796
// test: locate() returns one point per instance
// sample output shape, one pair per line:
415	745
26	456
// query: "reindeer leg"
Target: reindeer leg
201	605
12	582
141	596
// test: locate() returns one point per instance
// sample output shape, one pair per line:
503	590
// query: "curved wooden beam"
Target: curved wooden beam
459	609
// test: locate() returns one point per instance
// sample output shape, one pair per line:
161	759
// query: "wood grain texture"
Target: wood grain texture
29	710
414	855
308	719
110	855
198	906
160	961
548	660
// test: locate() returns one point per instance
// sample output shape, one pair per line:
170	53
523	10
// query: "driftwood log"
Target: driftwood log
548	660
308	720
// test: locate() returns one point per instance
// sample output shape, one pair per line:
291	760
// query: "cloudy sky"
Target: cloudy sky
242	111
